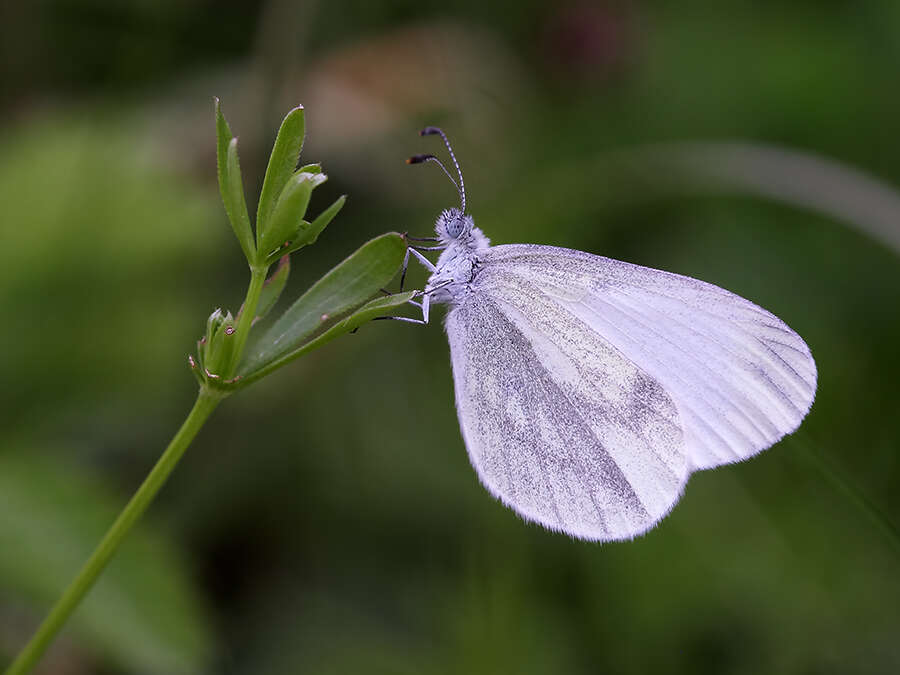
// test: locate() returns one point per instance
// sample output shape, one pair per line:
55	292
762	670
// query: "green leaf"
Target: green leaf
273	287
282	163
223	137
143	616
371	310
309	232
213	322
231	186
287	217
218	343
237	211
343	289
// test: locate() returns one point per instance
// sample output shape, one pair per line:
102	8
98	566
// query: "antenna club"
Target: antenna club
419	159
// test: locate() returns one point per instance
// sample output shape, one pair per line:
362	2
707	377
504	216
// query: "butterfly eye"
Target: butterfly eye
455	228
452	224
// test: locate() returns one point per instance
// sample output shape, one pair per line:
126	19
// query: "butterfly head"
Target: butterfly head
452	225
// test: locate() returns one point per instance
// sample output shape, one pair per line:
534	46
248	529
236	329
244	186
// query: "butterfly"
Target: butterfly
589	389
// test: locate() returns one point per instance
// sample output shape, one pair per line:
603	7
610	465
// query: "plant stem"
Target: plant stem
206	402
245	320
31	653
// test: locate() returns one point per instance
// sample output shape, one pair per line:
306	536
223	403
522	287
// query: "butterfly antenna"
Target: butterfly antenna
421	159
461	186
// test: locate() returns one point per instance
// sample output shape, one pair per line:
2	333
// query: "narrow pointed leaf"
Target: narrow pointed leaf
282	163
226	347
201	352
344	289
309	232
383	306
196	369
237	210
213	324
220	341
289	211
273	287
223	138
230	184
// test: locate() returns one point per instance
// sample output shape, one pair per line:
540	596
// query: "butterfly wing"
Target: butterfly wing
740	378
558	423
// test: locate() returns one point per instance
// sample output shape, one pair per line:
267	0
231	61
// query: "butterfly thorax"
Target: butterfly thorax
458	264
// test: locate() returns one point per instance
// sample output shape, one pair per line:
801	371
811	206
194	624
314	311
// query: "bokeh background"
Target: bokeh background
327	520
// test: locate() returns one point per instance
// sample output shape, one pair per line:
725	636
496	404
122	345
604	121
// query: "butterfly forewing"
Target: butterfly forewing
740	378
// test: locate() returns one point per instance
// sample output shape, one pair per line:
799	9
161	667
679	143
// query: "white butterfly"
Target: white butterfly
588	389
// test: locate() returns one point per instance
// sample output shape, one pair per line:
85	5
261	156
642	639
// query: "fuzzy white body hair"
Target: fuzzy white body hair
457	265
588	389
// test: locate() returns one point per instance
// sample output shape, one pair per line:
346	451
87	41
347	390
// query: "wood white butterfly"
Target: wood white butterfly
589	389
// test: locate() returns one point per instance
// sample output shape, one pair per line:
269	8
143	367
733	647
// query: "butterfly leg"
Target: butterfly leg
425	306
401	318
426	297
426	263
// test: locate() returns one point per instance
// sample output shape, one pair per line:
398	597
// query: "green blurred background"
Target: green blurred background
327	520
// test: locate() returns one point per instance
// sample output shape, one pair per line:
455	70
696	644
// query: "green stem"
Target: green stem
245	320
31	653
203	407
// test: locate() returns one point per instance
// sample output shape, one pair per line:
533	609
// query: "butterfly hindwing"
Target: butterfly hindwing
558	424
